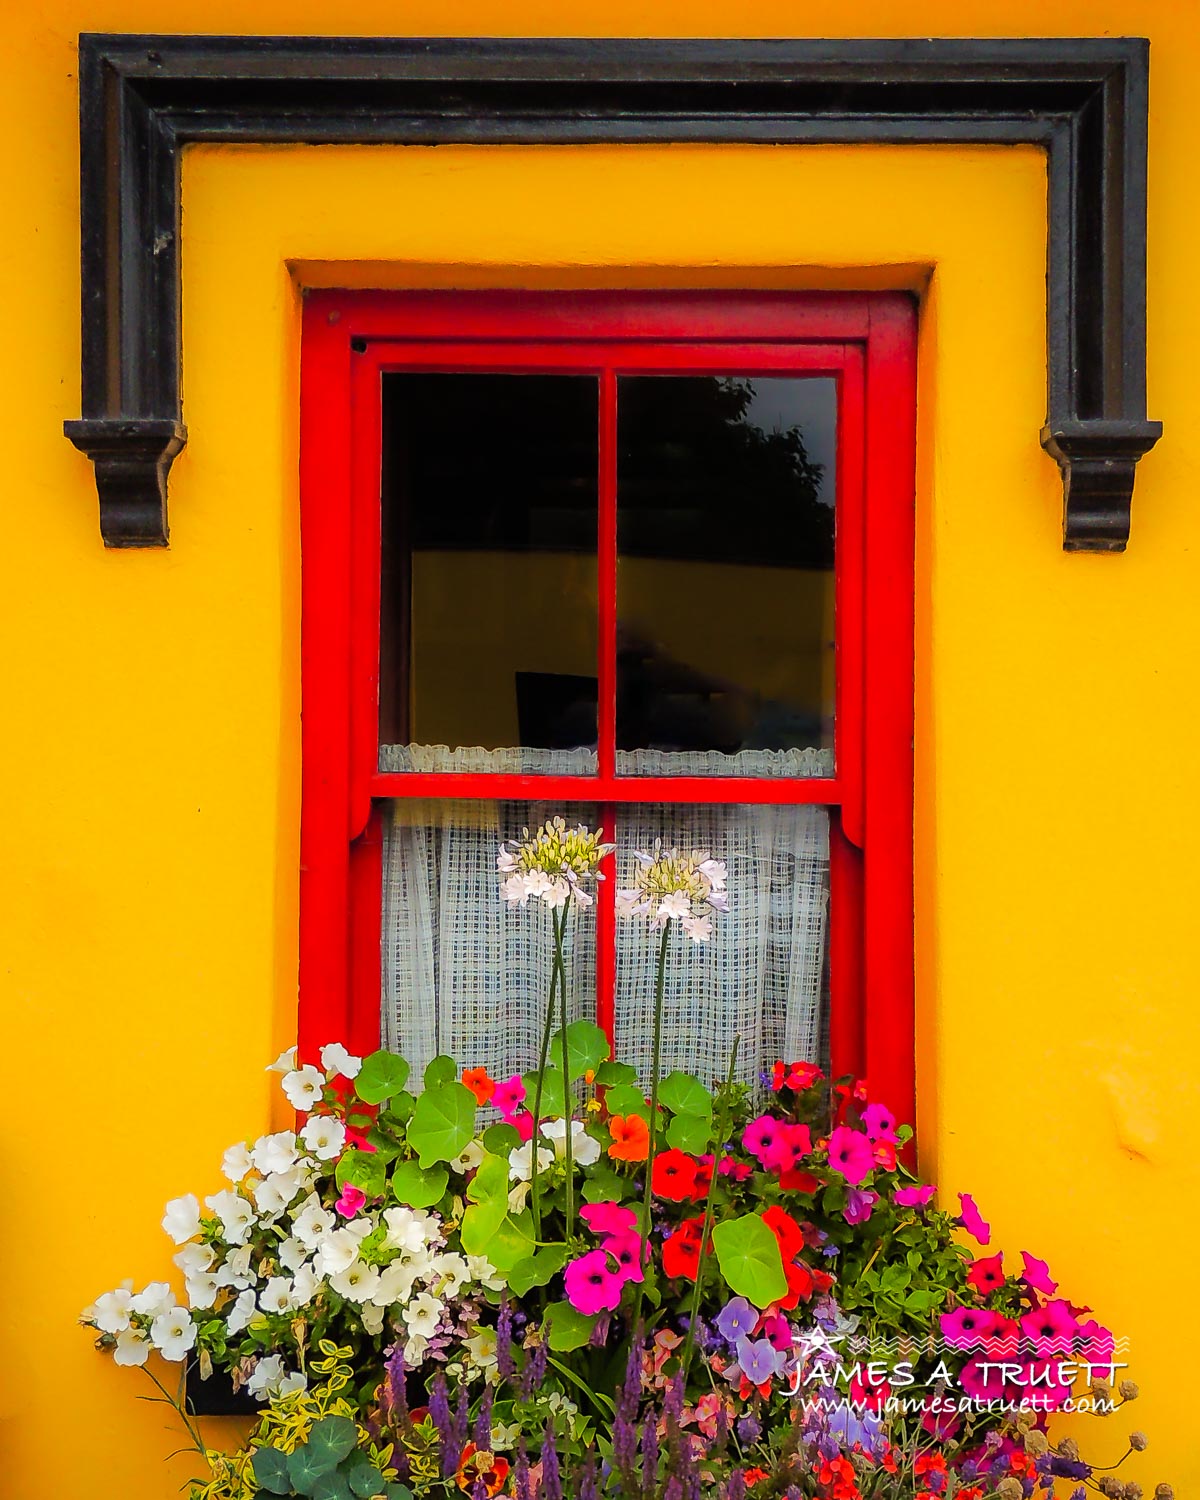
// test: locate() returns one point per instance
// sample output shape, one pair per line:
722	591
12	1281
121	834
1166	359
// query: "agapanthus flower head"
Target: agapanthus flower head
552	863
685	885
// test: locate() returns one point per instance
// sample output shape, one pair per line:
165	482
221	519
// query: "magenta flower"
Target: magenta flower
351	1201
966	1327
793	1145
1002	1337
850	1154
507	1096
988	1384
592	1285
1050	1329
879	1123
777	1328
607	1217
1036	1274
972	1220
859	1203
1046	1387
627	1248
522	1122
912	1197
761	1138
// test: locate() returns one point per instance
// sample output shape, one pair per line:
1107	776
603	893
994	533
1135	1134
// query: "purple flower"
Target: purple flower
749	1429
504	1357
859	1204
649	1457
551	1488
736	1320
912	1197
759	1360
592	1286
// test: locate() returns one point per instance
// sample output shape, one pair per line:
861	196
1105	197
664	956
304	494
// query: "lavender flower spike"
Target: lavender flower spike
551	1488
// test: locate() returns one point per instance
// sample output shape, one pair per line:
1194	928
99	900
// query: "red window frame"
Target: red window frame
867	342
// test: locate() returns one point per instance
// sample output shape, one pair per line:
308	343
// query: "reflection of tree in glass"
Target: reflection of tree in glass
699	478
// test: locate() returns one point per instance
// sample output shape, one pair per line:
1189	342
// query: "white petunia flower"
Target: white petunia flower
423	1314
504	1436
585	1151
182	1218
324	1136
153	1300
335	1059
372	1315
305	1087
273	1194
395	1284
305	1285
452	1274
110	1313
276	1296
517	1196
292	1384
173	1333
312	1222
469	1157
236	1270
482	1347
239	1315
357	1283
337	1251
483	1272
202	1289
132	1348
284	1063
275	1153
235	1213
291	1255
237	1161
404	1230
193	1260
267	1377
520	1161
415	1350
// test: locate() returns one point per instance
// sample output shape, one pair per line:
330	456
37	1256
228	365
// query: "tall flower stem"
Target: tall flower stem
655	1061
568	1112
706	1229
543	1056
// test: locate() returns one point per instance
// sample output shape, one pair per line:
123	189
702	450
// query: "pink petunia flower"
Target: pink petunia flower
793	1145
762	1136
777	1328
972	1220
1046	1387
508	1095
986	1274
1036	1274
966	1327
859	1204
628	1249
879	1123
522	1122
592	1285
351	1201
1094	1343
1050	1329
607	1217
912	1197
850	1154
981	1379
1001	1338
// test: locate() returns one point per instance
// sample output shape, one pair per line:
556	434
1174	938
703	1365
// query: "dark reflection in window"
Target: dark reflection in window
725	578
488	631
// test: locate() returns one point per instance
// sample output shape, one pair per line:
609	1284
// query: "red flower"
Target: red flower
681	1249
800	1282
476	1465
987	1273
884	1153
754	1476
674	1175
796	1075
929	1463
786	1231
798	1182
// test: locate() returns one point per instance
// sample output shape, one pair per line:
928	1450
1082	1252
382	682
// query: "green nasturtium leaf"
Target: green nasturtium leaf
381	1075
304	1469
500	1139
684	1094
568	1329
440	1070
692	1133
627	1099
553	1095
398	1492
362	1169
610	1073
538	1269
333	1486
271	1471
332	1439
487	1195
363	1477
512	1242
587	1047
442	1123
748	1254
417	1186
603	1185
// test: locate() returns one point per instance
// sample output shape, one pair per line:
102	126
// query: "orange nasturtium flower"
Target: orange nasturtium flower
630	1138
477	1080
476	1464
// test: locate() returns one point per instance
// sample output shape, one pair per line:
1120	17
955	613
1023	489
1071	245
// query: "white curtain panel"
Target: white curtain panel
465	974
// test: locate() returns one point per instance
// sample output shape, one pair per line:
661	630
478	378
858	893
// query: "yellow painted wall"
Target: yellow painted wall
149	767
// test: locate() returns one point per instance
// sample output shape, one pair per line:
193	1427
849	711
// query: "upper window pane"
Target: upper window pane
488	633
725	586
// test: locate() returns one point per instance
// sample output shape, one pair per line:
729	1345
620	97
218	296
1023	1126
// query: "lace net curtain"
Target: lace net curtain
465	974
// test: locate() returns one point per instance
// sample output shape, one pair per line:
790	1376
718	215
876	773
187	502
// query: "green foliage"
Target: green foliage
587	1047
440	1069
487	1194
418	1186
748	1254
627	1099
381	1075
565	1328
362	1169
684	1094
442	1123
692	1133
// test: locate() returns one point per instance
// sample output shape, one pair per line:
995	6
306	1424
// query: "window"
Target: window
645	561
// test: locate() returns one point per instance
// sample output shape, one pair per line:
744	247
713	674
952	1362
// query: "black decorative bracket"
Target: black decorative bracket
142	98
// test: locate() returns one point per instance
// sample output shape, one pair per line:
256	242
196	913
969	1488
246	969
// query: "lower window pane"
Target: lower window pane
763	973
463	972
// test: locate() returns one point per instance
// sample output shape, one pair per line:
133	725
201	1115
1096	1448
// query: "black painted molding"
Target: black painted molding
142	98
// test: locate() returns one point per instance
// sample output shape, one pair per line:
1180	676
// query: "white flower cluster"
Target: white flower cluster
269	1246
687	886
551	864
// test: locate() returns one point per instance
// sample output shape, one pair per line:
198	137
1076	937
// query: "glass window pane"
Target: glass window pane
763	975
725	588
488	628
464	973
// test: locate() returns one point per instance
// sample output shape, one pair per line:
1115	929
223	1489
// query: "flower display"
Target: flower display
647	1288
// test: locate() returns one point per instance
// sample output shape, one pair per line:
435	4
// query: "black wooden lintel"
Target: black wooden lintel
143	98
